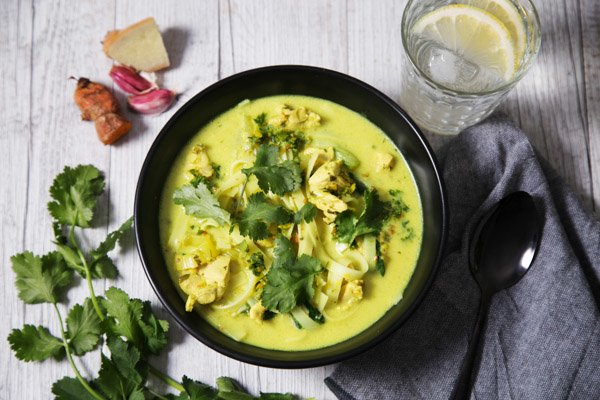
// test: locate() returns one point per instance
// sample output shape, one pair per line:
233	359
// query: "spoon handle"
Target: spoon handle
462	390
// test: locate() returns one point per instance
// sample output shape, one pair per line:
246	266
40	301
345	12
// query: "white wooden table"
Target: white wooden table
44	42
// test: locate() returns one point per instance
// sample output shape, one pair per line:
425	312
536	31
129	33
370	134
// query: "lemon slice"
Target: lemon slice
472	33
508	13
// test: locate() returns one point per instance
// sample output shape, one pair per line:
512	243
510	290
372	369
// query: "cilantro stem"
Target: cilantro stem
166	378
88	275
83	382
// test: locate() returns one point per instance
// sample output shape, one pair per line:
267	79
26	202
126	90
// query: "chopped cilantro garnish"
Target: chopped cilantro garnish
256	263
200	202
379	264
398	207
307	213
282	137
371	220
259	215
279	178
314	313
289	280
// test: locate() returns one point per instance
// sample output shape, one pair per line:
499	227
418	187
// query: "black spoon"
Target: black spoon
502	250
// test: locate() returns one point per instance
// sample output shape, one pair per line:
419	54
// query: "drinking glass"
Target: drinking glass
437	106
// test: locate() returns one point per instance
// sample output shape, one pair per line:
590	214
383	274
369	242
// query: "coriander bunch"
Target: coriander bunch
127	325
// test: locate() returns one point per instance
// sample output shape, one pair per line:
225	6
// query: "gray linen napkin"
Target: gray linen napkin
543	335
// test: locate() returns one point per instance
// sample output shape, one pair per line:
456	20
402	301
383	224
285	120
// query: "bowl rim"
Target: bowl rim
317	361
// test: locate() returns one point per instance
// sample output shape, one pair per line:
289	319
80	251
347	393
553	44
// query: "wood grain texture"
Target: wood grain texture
43	42
590	28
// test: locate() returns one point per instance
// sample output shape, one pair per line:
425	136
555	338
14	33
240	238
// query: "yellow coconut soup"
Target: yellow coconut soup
290	223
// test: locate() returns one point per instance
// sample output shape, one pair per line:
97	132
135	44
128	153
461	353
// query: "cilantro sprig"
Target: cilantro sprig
260	215
290	279
274	176
200	202
371	219
127	325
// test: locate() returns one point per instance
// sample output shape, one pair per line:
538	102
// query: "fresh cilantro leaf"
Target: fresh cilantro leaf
371	219
307	213
71	258
35	343
40	279
134	320
124	315
75	192
83	327
229	389
58	234
111	240
345	226
200	202
102	265
70	389
120	376
279	178
276	396
259	215
256	263
197	390
406	231
282	137
103	268
379	264
154	329
398	207
290	280
261	119
314	313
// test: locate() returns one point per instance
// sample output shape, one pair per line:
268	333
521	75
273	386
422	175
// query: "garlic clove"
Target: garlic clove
153	102
130	81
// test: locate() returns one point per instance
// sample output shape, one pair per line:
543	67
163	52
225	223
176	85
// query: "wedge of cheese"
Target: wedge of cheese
139	46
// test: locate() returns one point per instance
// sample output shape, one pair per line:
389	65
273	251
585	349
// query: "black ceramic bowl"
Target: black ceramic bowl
299	80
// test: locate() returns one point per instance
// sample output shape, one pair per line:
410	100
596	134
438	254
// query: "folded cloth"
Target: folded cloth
542	339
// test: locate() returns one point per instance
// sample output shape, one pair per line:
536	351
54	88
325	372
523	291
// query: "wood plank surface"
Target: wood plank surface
44	42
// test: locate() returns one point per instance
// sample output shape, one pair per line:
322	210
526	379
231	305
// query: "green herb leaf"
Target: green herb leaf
35	343
200	202
314	313
83	327
124	315
154	329
70	389
259	215
229	389
307	213
119	376
197	390
103	268
279	178
371	219
40	279
290	280
379	264
111	240
134	320
276	396
74	193
102	265
398	207
256	263
71	258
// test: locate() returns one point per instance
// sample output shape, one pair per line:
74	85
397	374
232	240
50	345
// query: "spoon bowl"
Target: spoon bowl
505	243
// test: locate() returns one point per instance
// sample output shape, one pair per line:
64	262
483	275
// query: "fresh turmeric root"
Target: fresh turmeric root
98	104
